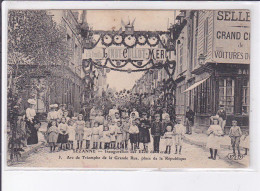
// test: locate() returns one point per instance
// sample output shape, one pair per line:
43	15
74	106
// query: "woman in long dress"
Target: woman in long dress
214	133
32	123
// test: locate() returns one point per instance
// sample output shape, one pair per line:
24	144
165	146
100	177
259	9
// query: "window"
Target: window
245	97
206	34
202	97
226	94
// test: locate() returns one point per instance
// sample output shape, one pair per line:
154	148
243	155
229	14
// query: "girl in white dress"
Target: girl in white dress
95	135
119	135
53	132
169	136
214	133
79	128
106	137
72	133
112	129
87	134
245	143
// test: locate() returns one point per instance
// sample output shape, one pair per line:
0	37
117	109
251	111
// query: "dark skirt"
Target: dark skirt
144	136
32	135
133	138
63	138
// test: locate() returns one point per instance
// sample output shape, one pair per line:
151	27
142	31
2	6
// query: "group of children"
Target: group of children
111	132
65	132
215	132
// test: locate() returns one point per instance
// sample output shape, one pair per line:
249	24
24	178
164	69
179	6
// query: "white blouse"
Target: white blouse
52	115
30	113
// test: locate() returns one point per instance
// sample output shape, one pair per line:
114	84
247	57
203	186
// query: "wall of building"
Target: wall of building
224	84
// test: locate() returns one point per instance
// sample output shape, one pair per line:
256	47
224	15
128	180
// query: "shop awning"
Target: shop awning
195	85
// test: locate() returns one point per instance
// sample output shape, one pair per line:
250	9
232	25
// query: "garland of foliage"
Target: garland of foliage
130	40
168	64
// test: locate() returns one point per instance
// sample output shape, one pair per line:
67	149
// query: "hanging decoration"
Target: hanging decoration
119	65
142	39
117	39
131	40
153	40
107	40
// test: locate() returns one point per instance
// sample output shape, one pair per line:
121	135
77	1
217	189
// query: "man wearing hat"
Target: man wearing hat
222	116
189	120
157	132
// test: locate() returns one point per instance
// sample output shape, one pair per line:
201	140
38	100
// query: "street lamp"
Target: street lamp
201	59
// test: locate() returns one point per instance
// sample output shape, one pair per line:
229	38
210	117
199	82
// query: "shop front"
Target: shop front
218	84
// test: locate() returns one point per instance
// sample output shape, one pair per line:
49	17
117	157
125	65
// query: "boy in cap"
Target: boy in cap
235	134
157	132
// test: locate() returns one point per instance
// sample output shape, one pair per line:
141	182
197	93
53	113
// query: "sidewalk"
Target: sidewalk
200	139
29	149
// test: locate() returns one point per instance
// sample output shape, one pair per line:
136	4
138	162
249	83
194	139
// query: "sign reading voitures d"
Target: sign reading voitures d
232	36
118	53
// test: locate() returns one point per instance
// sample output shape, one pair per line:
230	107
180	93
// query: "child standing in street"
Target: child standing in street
214	133
101	129
87	134
245	142
112	129
169	135
95	135
71	132
179	131
63	134
125	128
133	131
119	135
235	134
117	117
79	129
106	137
53	132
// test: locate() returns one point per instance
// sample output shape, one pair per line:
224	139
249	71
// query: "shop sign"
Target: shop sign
232	36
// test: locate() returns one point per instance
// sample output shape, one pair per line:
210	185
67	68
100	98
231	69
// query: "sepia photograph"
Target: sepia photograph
105	89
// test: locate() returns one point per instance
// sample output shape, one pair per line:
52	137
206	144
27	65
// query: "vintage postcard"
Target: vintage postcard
95	89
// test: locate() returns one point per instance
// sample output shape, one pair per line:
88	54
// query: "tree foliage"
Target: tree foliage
36	45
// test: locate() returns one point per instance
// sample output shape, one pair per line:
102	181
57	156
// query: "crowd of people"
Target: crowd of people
112	131
127	129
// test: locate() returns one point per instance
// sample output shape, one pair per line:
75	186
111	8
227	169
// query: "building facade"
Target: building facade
213	65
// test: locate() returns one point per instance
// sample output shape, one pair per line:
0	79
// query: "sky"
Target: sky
154	20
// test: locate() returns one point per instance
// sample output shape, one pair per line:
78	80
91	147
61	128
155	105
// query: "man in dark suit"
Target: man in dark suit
157	132
189	120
